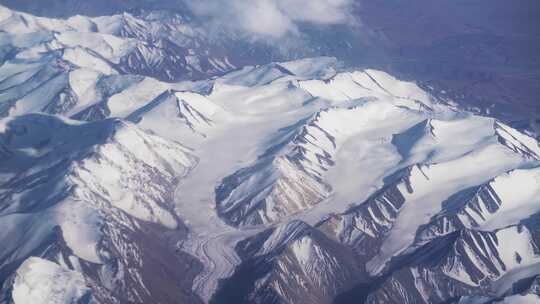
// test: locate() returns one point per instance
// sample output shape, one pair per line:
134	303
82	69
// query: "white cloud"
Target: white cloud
275	18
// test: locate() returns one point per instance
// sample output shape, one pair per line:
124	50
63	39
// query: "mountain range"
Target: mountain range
142	160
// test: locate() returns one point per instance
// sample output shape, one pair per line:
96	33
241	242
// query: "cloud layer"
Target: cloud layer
273	18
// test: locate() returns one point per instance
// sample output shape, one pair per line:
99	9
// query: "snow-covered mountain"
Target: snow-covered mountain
159	46
290	182
87	196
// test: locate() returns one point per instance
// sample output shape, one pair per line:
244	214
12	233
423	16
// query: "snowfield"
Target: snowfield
279	183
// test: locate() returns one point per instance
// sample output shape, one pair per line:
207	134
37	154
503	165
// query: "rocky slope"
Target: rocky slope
291	182
91	197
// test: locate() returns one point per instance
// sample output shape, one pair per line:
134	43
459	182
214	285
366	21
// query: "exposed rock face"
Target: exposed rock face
291	263
304	181
95	198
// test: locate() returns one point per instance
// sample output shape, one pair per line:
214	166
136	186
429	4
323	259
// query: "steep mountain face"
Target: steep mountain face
472	262
158	46
92	198
502	202
305	181
434	253
290	263
191	112
379	215
288	177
